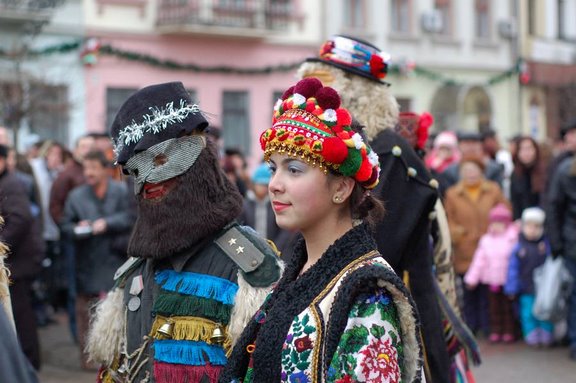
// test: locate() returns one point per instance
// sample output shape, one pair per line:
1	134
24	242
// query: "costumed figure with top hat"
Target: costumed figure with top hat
356	69
195	277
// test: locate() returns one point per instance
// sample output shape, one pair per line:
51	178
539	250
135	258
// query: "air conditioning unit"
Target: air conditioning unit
432	21
507	29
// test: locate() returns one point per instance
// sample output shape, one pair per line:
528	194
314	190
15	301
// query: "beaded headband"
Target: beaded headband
309	123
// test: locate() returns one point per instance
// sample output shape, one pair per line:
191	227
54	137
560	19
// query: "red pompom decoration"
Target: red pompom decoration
308	87
377	66
310	106
365	170
287	93
426	120
328	98
373	177
334	150
344	117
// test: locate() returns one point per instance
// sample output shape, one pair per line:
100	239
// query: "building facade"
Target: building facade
452	58
235	57
547	42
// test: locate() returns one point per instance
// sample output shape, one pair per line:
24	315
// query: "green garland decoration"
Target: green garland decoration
224	69
170	64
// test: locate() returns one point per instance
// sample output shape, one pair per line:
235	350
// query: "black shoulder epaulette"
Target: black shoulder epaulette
255	258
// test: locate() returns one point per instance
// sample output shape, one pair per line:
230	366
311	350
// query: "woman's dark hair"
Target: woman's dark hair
364	206
537	168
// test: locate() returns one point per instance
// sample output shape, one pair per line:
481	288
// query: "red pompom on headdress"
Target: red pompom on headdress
424	124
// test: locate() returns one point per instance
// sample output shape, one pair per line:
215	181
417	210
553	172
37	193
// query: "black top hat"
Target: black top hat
355	56
567	127
469	136
152	115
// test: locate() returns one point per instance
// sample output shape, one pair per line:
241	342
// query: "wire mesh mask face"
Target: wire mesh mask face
177	156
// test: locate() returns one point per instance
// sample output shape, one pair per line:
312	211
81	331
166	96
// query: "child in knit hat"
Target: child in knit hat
529	253
490	267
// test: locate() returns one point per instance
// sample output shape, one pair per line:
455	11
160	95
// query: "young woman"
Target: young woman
339	313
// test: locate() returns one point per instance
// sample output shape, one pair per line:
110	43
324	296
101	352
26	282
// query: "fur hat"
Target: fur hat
309	123
355	56
152	115
500	213
533	214
414	128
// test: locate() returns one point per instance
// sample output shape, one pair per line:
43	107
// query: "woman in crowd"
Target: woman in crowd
468	204
528	178
339	313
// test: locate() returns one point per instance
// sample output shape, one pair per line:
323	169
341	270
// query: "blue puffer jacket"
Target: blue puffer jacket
526	256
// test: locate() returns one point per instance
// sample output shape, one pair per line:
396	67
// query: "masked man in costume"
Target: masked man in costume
195	276
356	70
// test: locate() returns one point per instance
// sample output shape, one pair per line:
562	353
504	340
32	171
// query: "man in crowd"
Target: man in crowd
96	215
21	233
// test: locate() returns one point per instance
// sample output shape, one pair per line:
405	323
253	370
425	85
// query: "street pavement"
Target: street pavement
502	363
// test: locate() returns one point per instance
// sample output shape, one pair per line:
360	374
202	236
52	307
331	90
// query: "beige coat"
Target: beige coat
468	219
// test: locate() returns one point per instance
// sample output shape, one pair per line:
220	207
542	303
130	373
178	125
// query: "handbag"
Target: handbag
553	285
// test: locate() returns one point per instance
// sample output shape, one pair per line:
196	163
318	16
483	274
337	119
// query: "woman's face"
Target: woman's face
300	193
54	157
526	152
470	173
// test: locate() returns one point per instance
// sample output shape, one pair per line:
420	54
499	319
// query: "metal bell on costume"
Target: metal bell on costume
218	336
165	331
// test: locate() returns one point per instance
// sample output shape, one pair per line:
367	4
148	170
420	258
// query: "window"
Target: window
236	120
115	97
405	104
401	14
355	14
532	17
49	108
482	19
444	9
561	20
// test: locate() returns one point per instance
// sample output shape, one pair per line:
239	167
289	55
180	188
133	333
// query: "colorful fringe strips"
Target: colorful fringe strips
174	373
170	303
188	352
189	328
205	286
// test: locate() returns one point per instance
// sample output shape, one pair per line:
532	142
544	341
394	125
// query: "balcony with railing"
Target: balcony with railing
23	11
254	18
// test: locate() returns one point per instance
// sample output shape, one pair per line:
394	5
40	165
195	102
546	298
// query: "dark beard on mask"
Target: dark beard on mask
202	202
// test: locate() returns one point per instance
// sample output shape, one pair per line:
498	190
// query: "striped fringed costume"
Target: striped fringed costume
176	320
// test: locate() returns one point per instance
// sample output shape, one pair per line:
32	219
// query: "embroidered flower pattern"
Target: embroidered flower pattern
370	349
297	350
379	362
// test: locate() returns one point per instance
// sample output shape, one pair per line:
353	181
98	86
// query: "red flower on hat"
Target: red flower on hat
378	66
326	48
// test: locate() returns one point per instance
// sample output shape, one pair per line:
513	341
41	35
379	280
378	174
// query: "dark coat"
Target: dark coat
526	257
71	177
521	194
21	231
403	237
98	256
562	210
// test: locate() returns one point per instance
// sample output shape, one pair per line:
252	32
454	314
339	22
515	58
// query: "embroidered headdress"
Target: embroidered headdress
309	123
152	115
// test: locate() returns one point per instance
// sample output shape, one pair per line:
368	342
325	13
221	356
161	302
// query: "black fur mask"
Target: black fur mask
200	205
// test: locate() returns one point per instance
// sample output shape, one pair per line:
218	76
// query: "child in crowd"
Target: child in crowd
529	253
490	267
